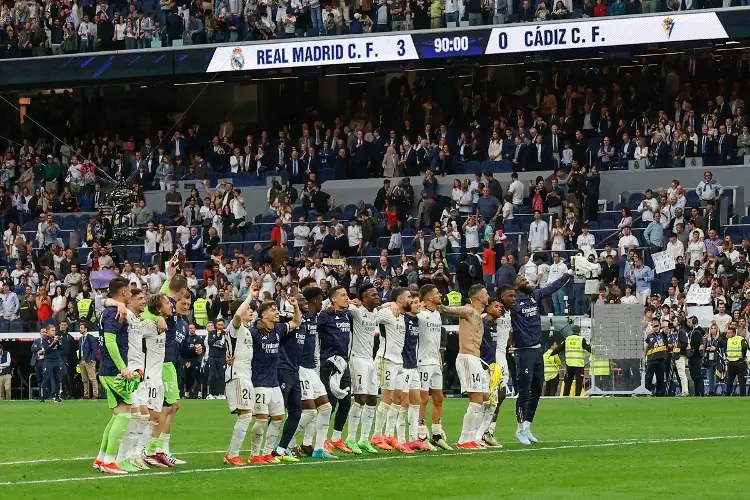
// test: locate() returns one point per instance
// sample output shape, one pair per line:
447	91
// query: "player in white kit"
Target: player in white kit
153	326
364	373
390	366
430	364
498	394
238	374
128	452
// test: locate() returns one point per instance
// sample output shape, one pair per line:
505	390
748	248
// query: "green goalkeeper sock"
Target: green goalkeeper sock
116	433
105	437
154	445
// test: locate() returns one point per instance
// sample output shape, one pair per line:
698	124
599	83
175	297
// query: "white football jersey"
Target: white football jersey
503	335
240	347
136	357
155	344
365	327
430	334
392	347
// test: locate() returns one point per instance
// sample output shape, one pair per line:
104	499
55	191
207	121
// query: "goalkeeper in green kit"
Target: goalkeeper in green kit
116	378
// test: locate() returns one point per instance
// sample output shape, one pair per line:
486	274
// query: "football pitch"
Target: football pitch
623	448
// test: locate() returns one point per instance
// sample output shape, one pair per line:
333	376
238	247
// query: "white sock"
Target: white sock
166	438
437	430
484	423
322	422
309	435
401	425
367	416
527	426
131	433
355	415
413	422
390	422
519	426
381	416
304	419
259	428
336	435
141	430
491	428
468	429
272	436
238	434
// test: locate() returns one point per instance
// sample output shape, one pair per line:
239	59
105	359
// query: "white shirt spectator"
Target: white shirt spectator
183	233
472	236
676	249
647	209
354	235
149	245
612	252
696	250
516	191
543	274
538	235
319	232
627	242
155	281
556	271
301	234
586	243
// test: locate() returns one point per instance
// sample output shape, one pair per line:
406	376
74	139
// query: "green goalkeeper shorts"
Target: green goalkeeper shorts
169	377
114	392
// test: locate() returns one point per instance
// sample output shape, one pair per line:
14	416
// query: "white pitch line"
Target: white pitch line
374	459
80	459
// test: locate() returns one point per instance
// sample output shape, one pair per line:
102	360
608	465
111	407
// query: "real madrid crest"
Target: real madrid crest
237	61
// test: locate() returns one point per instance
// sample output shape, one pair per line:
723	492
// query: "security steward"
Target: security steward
657	355
736	364
551	370
575	359
694	354
601	369
86	310
200	310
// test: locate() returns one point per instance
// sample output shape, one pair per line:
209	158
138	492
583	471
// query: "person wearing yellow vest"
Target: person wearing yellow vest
86	309
454	298
736	364
200	310
600	368
575	359
551	370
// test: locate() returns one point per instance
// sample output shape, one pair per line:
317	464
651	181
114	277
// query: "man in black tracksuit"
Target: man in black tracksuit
191	351
526	326
217	359
53	365
695	354
656	359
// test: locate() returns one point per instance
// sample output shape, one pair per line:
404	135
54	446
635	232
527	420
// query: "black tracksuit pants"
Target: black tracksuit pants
292	392
530	377
738	370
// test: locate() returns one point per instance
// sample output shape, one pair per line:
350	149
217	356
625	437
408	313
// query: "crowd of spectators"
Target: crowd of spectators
38	27
409	234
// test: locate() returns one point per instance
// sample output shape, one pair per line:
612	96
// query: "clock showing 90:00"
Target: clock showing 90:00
441	45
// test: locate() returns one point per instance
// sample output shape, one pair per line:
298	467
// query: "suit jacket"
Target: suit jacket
661	153
550	143
183	146
706	146
275	162
725	145
712	222
290	167
88	346
628	150
410	161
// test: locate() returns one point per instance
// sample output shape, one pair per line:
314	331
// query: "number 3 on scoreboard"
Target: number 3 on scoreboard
401	48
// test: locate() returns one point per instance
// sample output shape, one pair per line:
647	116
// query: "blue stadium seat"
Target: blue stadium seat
236	237
135	254
607	224
298	212
634	200
473	167
692	199
16	326
657	286
327	174
734	232
248	248
252	233
459	167
593	225
242	179
70	222
268	218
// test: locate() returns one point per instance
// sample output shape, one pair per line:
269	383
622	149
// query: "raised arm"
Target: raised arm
460	311
237	319
560	282
297	318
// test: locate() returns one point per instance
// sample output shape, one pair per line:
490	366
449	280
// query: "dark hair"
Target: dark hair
398	292
265	306
312	292
425	290
305	283
178	283
474	290
117	284
504	289
136	292
364	288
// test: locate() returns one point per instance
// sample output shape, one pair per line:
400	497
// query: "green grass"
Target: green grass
599	448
